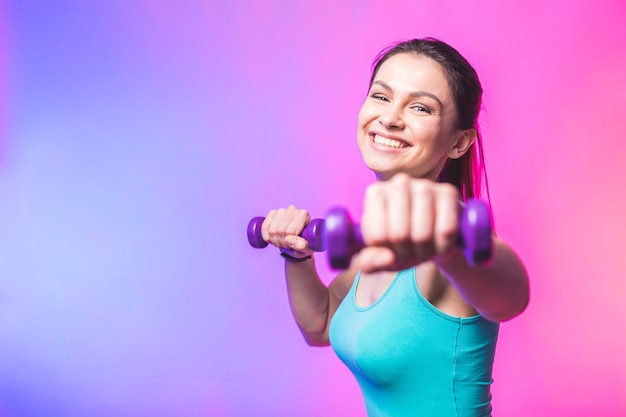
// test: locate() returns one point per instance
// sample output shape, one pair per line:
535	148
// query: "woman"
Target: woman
413	321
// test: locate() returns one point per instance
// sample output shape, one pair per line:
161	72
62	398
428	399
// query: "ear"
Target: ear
464	140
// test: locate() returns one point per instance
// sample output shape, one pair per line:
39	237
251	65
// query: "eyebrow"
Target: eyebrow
411	94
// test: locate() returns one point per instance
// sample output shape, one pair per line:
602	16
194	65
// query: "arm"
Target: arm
409	221
498	291
312	303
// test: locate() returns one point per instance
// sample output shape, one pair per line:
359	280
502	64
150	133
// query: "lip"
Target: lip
373	133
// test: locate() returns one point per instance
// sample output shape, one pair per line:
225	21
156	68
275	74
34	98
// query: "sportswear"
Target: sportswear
411	359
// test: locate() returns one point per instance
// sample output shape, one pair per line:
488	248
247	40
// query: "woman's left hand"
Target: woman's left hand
407	221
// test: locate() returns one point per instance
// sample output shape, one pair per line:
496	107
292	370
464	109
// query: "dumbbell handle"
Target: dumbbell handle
343	238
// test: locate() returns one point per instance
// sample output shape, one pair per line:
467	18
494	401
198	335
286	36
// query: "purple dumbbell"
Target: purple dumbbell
344	237
313	233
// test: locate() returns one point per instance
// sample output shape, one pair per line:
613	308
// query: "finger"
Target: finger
373	224
448	208
422	220
397	216
267	224
277	223
297	243
298	219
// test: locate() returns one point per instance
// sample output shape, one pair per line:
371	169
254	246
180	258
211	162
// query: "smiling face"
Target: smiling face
408	120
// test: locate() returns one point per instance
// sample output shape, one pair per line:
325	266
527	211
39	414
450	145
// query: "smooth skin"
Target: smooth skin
406	132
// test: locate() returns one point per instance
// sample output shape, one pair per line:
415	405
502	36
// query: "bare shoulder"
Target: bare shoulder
340	286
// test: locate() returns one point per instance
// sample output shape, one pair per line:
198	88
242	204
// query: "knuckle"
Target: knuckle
421	237
374	191
398	236
446	234
421	187
271	230
401	181
276	229
291	231
373	237
448	190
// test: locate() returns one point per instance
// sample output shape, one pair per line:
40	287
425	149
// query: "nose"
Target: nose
392	118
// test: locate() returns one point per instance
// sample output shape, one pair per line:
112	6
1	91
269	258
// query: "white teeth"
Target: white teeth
389	142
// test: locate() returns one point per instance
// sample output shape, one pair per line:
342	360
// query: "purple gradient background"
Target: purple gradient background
139	138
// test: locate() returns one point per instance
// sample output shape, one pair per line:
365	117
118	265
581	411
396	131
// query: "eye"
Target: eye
421	109
379	97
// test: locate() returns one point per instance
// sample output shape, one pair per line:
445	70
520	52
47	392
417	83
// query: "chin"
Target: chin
382	174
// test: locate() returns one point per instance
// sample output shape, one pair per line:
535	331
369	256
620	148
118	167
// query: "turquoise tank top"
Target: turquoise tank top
410	359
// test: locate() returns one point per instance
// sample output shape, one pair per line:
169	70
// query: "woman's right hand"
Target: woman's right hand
283	227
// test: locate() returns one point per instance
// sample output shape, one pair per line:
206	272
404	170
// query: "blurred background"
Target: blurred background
139	137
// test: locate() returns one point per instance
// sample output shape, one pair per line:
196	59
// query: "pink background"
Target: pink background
140	137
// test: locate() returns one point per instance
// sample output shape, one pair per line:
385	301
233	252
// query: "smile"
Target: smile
392	143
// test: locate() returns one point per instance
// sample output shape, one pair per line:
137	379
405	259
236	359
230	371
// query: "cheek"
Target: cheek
366	115
429	133
361	120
